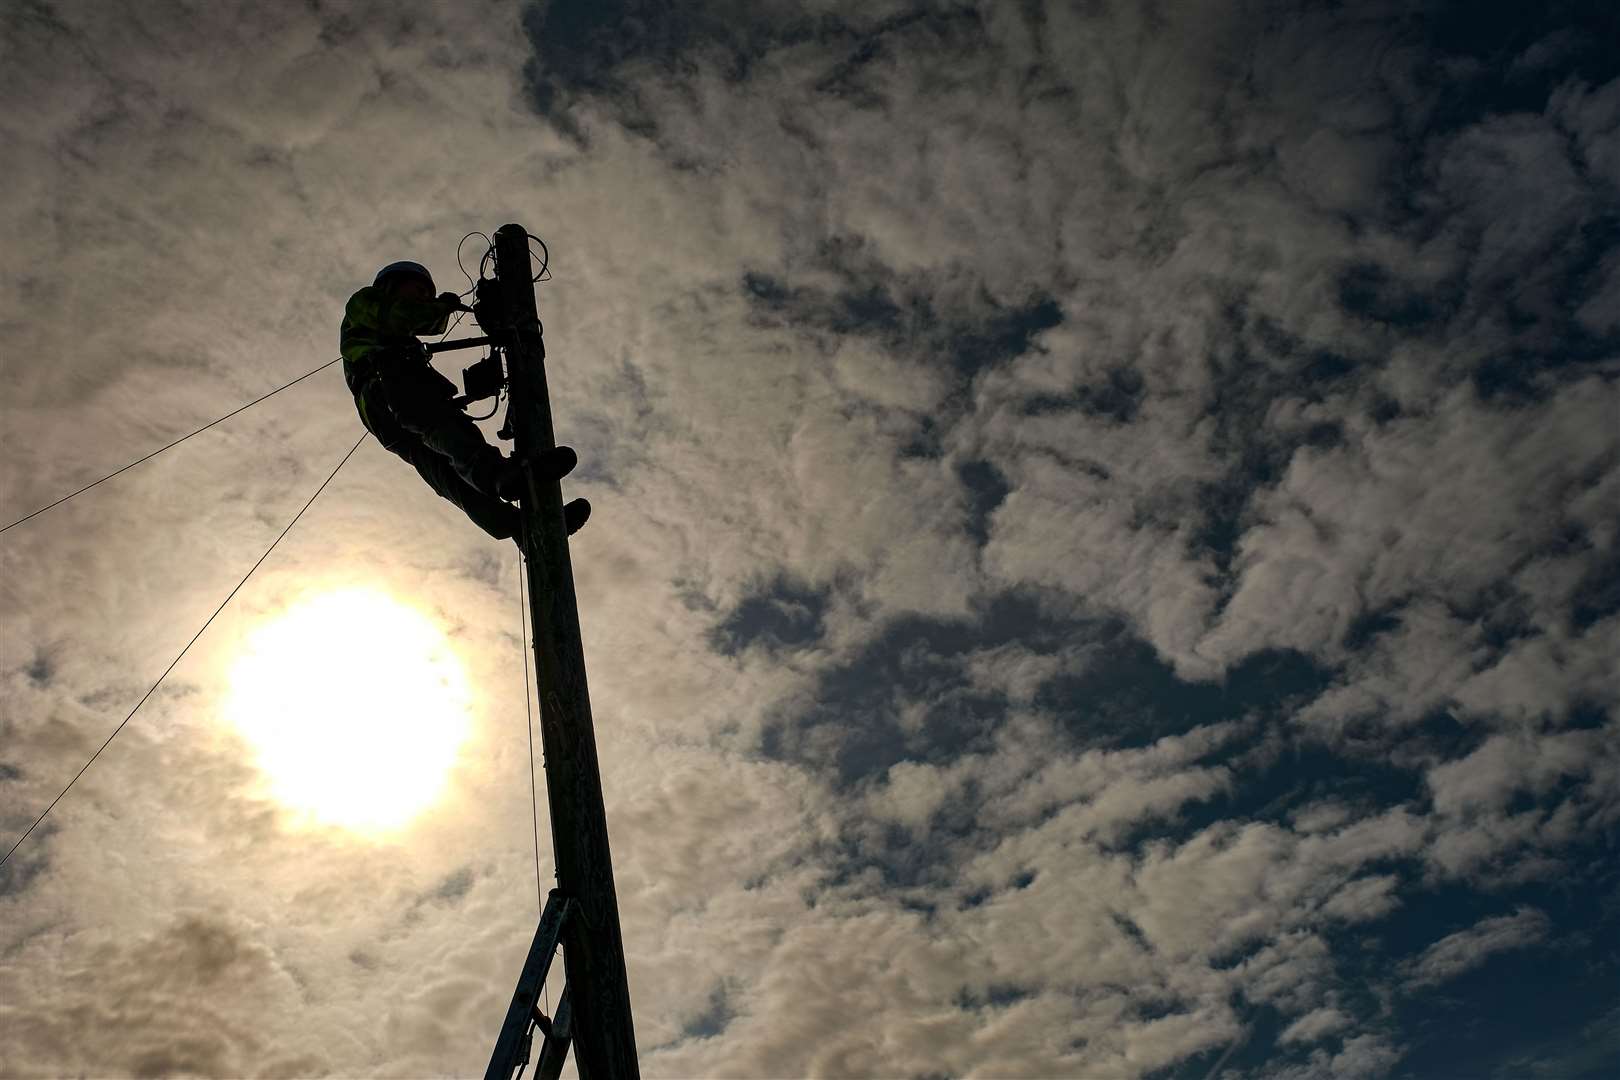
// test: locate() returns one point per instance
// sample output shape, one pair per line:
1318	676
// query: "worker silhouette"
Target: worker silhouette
408	405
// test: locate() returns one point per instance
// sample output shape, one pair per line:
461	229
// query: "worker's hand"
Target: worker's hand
450	300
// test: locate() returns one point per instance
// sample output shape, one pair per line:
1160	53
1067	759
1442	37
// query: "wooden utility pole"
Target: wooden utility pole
584	913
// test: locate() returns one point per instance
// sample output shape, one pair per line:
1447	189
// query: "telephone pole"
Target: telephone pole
583	913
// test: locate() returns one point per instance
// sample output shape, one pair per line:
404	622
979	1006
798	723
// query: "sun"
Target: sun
356	708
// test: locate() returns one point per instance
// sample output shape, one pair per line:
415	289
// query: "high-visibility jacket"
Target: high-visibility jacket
377	323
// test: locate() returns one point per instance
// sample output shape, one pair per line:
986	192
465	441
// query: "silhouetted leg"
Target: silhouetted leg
420	402
490	514
495	517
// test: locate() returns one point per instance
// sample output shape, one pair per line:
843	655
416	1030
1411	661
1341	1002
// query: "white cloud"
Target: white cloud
1467	949
1315	1025
1364	899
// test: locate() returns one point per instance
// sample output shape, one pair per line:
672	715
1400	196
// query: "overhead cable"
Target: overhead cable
172	445
187	649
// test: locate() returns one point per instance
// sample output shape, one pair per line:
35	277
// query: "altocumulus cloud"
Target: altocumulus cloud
1106	548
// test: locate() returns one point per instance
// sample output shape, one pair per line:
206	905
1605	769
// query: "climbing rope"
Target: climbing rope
528	717
528	721
187	649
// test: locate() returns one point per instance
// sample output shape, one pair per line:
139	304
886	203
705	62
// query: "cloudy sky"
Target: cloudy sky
1106	558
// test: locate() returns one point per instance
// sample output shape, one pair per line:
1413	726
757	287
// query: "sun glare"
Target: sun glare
356	707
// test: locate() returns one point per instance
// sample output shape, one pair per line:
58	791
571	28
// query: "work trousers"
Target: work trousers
410	412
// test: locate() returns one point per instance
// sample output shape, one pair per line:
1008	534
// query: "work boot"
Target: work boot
576	514
553	464
556	463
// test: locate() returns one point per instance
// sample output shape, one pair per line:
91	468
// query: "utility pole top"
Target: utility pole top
585	915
